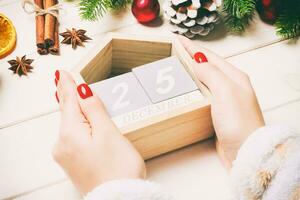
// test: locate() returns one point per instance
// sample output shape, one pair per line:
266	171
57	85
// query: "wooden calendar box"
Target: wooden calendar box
159	127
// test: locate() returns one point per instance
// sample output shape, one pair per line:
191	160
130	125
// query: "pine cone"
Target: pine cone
192	17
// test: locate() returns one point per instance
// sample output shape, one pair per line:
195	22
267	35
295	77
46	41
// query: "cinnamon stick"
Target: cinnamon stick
54	50
49	24
40	26
42	51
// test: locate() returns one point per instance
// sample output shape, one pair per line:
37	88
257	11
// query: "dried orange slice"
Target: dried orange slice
7	36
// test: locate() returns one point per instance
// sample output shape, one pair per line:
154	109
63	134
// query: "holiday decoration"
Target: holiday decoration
239	14
192	17
8	36
145	10
285	15
46	14
95	9
141	51
21	66
288	21
268	10
74	37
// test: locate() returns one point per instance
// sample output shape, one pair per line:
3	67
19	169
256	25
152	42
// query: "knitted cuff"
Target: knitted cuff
128	189
259	159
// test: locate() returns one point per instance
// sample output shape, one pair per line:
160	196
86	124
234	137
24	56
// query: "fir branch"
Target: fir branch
92	9
95	9
288	23
238	14
237	25
117	4
239	8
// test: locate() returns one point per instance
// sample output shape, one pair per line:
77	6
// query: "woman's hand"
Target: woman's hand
234	107
90	148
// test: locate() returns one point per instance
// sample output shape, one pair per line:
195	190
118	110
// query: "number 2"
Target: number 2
163	77
120	103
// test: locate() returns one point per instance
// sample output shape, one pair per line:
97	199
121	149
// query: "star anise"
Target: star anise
74	37
21	66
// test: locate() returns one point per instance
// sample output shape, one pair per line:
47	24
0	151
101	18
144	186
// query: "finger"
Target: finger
67	95
94	110
212	77
232	72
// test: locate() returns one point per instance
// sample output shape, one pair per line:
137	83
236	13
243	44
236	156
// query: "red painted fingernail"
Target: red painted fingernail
56	81
84	91
56	97
200	57
57	75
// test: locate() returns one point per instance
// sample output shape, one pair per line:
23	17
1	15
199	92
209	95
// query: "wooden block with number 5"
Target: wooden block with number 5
164	79
121	94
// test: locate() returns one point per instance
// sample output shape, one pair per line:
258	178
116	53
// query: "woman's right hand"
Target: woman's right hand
234	107
90	148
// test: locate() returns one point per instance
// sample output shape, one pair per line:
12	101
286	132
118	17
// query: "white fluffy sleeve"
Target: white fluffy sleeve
262	159
128	189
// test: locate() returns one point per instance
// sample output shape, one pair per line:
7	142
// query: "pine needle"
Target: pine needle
92	9
238	14
118	4
288	22
95	9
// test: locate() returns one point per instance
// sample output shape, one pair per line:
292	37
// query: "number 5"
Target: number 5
163	77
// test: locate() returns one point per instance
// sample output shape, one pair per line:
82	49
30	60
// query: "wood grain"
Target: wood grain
129	53
173	132
97	65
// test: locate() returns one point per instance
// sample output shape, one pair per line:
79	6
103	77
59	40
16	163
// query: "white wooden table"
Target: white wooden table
29	119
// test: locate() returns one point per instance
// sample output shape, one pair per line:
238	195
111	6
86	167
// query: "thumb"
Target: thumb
94	110
206	72
71	114
211	76
67	96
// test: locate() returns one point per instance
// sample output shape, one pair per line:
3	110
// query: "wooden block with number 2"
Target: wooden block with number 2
121	94
164	79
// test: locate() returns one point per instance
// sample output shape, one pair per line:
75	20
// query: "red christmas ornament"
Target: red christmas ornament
268	10
145	10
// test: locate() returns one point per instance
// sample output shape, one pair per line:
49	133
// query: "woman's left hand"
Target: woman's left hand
90	148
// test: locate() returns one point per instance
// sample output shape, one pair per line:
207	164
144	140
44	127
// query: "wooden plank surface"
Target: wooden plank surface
11	168
273	71
188	173
287	115
7	2
25	156
193	169
25	153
